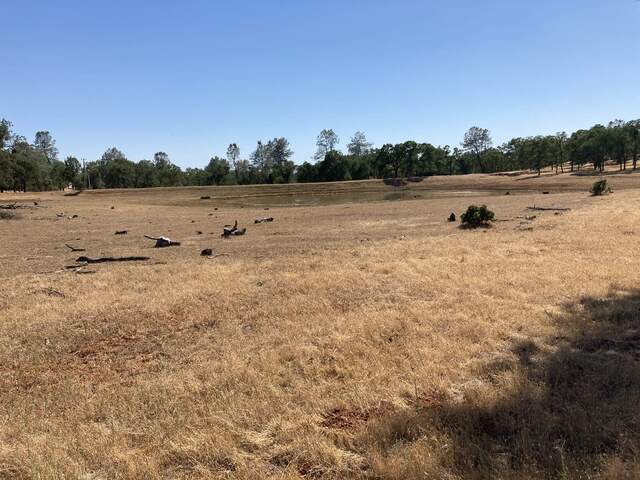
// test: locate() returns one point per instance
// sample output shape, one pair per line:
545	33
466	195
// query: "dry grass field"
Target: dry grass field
360	335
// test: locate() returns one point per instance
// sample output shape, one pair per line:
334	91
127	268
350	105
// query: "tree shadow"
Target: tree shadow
606	173
563	408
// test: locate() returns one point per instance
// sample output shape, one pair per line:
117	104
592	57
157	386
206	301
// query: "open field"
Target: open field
359	335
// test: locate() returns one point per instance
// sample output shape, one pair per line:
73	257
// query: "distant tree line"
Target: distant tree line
35	166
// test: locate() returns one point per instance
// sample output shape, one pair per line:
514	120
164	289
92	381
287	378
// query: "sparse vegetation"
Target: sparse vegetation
477	216
305	349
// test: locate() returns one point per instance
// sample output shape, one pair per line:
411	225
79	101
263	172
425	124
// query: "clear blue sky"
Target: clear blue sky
189	77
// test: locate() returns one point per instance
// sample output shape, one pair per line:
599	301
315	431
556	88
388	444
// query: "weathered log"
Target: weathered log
111	259
263	220
545	209
236	232
15	206
74	249
162	242
121	232
229	230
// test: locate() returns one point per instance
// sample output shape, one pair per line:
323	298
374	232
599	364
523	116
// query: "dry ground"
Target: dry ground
367	340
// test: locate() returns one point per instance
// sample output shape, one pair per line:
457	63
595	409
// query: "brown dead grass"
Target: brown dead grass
371	341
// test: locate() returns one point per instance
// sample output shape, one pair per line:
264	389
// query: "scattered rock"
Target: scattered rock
263	220
121	232
207	252
452	217
205	197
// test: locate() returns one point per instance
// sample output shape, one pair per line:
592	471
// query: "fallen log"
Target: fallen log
15	206
111	259
237	232
263	220
74	249
229	230
209	253
121	232
545	209
162	242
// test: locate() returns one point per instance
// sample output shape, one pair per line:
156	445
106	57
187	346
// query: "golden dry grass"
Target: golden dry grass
359	340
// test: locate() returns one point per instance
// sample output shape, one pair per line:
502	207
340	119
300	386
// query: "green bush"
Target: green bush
477	216
600	188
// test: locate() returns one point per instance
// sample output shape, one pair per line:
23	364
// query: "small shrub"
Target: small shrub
477	216
600	188
7	215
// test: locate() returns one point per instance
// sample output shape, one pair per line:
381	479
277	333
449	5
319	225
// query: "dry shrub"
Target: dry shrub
5	215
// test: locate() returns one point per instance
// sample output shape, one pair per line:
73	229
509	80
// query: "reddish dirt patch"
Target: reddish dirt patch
352	419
